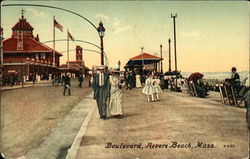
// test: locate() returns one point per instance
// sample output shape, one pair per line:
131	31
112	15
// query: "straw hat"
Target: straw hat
115	69
101	67
68	74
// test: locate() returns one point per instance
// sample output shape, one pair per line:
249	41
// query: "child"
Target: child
157	87
148	88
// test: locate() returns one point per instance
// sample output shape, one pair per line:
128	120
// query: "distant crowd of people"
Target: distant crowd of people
14	79
136	80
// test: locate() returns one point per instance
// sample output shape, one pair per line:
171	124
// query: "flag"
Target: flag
58	26
70	36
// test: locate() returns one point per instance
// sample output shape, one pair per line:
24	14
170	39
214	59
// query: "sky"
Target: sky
210	35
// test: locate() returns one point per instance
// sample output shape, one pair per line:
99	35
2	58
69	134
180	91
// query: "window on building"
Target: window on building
43	56
37	56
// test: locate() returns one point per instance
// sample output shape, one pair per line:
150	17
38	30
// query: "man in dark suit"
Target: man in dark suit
80	79
101	89
67	84
235	79
126	80
130	80
133	79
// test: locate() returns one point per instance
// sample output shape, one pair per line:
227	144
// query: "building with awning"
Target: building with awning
144	61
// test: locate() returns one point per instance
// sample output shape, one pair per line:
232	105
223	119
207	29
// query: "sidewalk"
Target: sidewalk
55	145
30	84
189	127
26	84
41	121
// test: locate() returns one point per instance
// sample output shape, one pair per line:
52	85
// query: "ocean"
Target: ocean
218	75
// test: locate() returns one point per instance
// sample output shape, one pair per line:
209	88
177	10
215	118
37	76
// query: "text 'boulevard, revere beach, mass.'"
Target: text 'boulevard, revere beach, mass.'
151	145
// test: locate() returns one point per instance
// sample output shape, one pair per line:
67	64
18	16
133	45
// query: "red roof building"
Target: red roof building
144	61
24	55
146	57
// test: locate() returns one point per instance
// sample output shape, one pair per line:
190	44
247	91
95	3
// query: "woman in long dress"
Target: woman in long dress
115	101
138	81
148	89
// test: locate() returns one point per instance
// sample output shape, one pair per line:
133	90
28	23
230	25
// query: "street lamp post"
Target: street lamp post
161	59
169	46
174	16
101	31
119	64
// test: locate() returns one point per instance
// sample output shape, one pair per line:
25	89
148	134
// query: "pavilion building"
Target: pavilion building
24	55
144	62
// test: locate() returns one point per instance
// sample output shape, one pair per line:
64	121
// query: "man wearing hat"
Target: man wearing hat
67	84
235	79
100	86
80	79
130	80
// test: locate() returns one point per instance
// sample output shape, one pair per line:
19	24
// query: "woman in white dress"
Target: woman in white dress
138	81
115	100
148	89
157	87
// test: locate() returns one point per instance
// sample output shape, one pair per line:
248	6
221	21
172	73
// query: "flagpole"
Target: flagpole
68	47
54	43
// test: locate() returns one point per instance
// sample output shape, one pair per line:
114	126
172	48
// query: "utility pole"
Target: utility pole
142	60
169	60
161	59
68	49
54	43
174	16
119	64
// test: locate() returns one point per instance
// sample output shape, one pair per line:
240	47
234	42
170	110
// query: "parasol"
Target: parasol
195	76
